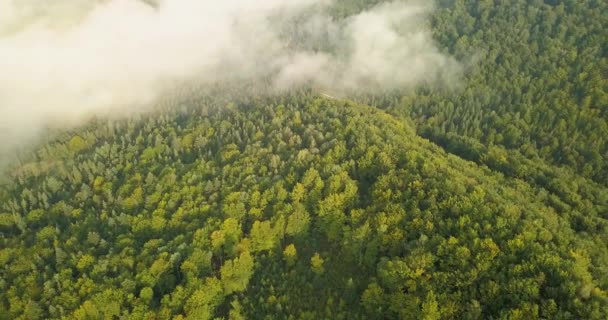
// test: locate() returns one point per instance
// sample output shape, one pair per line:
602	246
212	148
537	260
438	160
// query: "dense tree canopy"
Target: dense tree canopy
484	201
302	207
537	84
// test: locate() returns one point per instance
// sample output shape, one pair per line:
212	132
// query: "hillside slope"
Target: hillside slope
536	85
300	207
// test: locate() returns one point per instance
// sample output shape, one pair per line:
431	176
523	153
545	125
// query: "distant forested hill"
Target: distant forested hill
537	85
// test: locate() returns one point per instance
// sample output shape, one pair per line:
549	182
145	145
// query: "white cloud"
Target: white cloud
63	60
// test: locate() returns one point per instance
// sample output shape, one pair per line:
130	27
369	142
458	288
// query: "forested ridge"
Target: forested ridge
488	200
276	209
539	83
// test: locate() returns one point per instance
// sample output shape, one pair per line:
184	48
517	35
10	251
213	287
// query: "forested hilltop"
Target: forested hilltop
304	207
487	200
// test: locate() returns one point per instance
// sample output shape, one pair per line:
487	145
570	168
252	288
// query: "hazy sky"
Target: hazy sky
62	60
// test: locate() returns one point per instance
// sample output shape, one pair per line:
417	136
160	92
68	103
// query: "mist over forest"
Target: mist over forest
66	61
305	159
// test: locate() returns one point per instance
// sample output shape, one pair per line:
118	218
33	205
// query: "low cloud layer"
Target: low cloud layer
64	60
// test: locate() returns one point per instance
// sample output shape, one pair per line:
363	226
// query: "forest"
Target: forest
484	201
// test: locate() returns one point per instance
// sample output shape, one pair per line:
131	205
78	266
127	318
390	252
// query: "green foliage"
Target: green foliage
262	236
538	86
77	144
202	303
196	211
386	225
146	294
290	254
236	273
430	309
316	264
